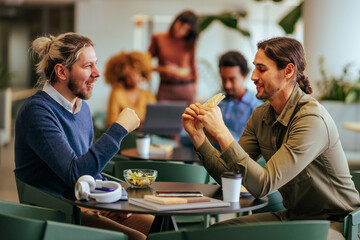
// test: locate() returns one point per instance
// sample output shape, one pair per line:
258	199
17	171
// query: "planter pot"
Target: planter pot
341	113
350	140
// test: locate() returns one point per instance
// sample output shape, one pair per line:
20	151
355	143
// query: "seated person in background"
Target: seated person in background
54	129
124	72
293	132
239	103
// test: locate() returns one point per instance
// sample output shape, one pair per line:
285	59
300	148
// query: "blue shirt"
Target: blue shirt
53	147
236	113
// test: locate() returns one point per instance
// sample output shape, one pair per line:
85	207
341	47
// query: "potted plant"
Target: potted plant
341	97
339	88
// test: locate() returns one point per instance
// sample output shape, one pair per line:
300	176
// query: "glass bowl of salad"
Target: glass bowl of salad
140	178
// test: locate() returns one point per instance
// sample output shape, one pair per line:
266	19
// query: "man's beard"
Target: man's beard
75	89
230	95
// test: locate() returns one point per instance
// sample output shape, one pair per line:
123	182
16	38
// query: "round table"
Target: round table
164	217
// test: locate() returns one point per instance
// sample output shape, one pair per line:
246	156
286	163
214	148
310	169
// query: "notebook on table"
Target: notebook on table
164	118
212	203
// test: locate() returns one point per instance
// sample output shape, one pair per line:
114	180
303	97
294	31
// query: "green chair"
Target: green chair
173	235
15	227
167	172
172	172
109	168
129	141
294	230
99	122
60	231
34	212
274	203
31	195
352	220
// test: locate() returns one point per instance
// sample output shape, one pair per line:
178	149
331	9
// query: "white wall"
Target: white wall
337	41
109	23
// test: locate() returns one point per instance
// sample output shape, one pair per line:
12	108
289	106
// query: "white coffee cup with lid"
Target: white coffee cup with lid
231	186
143	145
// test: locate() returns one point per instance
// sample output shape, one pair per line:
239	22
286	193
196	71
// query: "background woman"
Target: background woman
175	50
124	72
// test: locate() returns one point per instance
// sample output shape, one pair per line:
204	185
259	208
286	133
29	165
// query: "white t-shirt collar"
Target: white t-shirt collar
54	94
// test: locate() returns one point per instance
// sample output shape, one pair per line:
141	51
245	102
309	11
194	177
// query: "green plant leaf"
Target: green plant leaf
351	97
205	21
229	19
289	21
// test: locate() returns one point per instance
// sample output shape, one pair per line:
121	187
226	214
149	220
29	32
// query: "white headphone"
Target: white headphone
86	184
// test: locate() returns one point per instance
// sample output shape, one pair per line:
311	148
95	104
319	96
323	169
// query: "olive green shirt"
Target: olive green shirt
305	159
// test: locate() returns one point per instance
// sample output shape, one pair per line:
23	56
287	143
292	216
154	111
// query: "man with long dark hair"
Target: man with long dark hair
293	132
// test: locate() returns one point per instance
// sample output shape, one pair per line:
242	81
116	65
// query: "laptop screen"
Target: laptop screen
164	118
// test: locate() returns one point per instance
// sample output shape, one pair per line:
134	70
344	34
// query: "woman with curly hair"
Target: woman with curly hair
124	72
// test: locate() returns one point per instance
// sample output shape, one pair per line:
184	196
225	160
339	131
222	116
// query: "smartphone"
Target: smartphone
179	194
105	189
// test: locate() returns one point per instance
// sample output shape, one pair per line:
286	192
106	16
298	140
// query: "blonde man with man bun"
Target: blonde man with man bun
54	130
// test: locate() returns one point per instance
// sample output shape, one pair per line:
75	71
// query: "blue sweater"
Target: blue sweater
53	147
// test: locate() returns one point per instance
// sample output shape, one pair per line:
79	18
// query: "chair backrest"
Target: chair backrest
109	167
29	194
129	141
99	122
15	227
295	230
352	220
167	172
60	231
34	212
356	179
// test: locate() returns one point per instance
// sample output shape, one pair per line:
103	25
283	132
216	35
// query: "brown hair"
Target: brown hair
117	67
284	50
63	49
190	18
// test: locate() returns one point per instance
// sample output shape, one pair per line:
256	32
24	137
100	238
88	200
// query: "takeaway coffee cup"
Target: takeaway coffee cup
143	144
231	185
